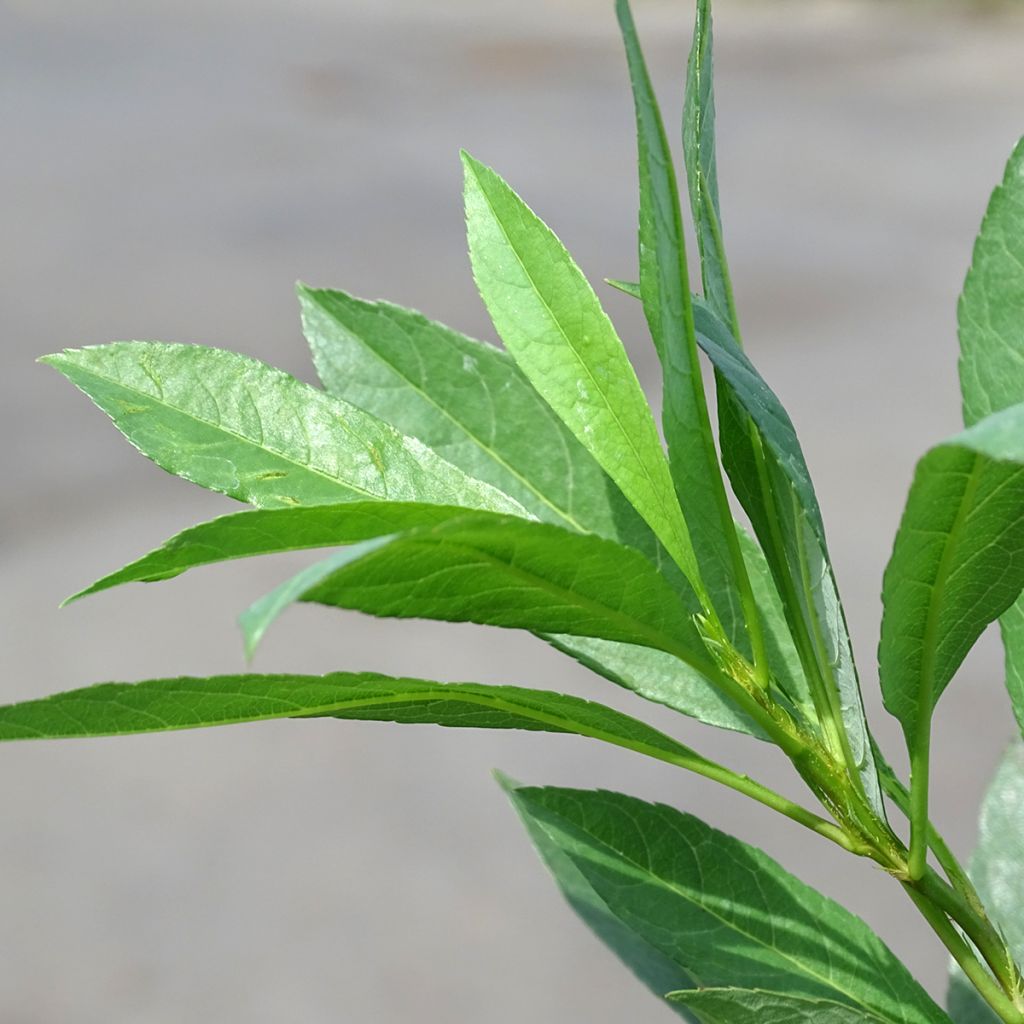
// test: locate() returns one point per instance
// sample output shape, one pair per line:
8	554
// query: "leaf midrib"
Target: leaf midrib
447	414
646	873
673	516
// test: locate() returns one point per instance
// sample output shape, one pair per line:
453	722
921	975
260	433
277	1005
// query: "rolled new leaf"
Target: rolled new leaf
665	294
725	914
501	571
995	871
234	425
991	332
553	325
770	477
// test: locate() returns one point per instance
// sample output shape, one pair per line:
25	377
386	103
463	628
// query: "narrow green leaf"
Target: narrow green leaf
665	294
270	531
502	571
658	972
995	870
234	425
628	287
957	563
552	323
992	351
724	912
702	166
750	1006
784	512
160	705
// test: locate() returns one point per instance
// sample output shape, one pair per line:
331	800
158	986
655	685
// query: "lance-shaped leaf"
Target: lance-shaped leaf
234	425
957	564
699	150
752	1006
665	294
504	571
992	351
271	531
552	323
722	911
658	972
766	465
160	705
995	871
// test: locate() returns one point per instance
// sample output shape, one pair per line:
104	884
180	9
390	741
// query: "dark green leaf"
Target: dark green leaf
783	509
992	351
665	293
995	870
159	705
552	323
957	563
235	425
724	912
268	531
504	571
658	972
748	1006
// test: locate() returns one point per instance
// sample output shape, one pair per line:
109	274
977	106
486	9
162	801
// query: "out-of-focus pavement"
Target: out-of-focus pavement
167	170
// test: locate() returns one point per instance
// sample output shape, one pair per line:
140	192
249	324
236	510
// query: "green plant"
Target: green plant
530	489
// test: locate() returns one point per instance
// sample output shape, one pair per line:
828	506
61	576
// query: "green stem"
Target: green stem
986	985
919	824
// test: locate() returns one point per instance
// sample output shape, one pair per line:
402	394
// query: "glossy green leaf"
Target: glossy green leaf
234	425
992	351
503	571
724	912
159	705
957	563
270	531
658	972
995	870
552	323
665	294
751	1006
773	484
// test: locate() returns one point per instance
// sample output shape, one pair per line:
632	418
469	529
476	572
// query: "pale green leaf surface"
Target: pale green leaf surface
235	425
553	325
723	911
655	970
270	531
752	1006
504	571
665	294
659	677
957	562
158	705
991	330
996	872
464	399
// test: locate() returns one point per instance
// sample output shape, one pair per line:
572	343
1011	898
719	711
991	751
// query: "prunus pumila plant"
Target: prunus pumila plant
529	488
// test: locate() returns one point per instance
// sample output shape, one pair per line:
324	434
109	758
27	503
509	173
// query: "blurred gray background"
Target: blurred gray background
168	170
